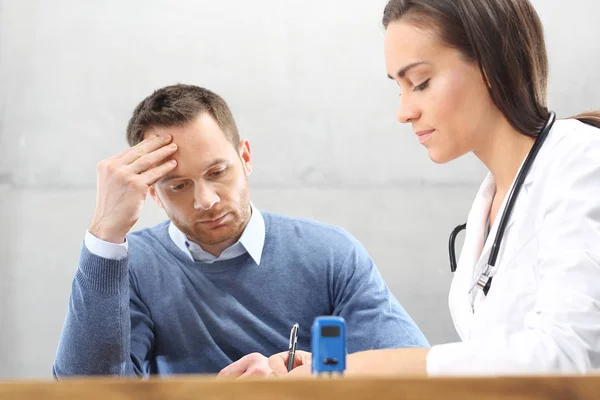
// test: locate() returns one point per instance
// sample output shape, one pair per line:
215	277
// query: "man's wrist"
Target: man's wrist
106	235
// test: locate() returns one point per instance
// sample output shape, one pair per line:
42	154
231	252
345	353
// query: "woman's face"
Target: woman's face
443	96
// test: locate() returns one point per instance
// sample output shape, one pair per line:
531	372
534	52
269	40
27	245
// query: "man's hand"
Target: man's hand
256	365
301	366
253	365
122	184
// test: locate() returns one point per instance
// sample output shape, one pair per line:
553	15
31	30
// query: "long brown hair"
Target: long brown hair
506	39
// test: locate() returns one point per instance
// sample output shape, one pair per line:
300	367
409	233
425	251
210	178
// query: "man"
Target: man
220	279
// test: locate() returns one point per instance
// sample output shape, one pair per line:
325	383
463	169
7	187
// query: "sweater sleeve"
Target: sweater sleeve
374	317
107	330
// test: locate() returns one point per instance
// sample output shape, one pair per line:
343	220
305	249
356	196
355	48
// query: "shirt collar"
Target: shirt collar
251	241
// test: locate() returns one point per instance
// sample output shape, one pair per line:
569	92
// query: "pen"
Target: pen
292	351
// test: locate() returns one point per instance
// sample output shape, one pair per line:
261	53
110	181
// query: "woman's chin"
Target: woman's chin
441	157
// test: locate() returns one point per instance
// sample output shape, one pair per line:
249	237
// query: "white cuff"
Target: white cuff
474	358
442	359
100	248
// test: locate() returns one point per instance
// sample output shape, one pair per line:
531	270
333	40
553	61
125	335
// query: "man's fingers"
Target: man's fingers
278	363
257	373
118	155
234	370
144	147
301	358
154	174
257	366
299	372
149	160
241	366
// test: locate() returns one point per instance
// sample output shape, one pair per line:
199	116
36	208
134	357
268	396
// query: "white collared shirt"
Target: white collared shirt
252	241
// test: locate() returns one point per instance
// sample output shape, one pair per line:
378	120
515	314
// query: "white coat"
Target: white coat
542	313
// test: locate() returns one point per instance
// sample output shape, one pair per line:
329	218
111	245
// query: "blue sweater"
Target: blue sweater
159	312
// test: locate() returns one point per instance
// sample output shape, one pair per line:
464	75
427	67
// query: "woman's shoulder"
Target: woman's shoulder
570	164
572	141
572	132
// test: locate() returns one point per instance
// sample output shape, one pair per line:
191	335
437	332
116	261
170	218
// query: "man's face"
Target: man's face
206	196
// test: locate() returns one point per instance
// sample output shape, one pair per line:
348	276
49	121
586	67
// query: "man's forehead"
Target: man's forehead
157	131
202	129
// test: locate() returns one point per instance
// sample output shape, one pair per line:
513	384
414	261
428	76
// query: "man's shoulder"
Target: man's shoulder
148	241
150	253
306	229
150	233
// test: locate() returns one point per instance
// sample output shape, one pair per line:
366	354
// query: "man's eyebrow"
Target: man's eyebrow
217	162
211	165
402	71
169	178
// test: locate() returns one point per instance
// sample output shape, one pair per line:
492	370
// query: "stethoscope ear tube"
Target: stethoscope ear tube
451	241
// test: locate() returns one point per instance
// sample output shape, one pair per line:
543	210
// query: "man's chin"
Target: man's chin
202	234
216	236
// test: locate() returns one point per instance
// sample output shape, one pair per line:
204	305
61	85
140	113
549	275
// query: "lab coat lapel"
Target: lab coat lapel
462	312
487	248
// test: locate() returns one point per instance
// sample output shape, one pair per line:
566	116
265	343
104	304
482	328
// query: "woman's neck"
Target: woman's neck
503	152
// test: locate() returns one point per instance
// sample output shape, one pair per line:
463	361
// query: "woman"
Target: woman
473	76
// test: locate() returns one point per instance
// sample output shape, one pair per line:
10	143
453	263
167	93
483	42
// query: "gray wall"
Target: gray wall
306	82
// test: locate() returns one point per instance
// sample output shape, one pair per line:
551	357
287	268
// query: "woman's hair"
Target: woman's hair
506	39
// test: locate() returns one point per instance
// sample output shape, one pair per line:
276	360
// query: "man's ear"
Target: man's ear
246	156
154	195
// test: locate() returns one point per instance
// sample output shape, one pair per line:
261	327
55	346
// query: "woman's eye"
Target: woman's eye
422	86
217	173
178	187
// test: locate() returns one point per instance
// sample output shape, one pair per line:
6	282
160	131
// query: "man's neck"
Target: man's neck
217	249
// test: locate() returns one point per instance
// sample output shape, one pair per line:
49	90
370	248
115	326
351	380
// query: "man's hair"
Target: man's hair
178	105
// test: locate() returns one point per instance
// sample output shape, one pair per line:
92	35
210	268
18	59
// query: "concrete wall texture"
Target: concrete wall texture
307	85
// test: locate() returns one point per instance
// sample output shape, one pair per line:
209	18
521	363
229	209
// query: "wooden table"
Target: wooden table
198	387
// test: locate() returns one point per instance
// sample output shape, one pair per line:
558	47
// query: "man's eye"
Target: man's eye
178	187
217	173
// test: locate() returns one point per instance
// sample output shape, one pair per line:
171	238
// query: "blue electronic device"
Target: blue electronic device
328	342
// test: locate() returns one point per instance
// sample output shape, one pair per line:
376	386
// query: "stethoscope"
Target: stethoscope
485	280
